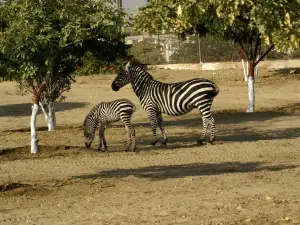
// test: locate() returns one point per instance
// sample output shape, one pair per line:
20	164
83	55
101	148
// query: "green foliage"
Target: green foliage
146	52
156	17
247	22
46	40
92	65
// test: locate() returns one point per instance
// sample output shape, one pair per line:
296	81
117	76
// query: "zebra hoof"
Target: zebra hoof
211	141
129	150
100	149
153	143
164	144
200	142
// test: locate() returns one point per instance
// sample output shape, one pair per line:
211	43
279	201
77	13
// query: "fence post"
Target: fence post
199	49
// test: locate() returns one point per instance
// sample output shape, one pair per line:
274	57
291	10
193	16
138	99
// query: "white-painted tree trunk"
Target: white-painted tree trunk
256	70
245	69
34	139
49	113
251	95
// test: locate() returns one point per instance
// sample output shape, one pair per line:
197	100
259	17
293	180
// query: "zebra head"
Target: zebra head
123	78
89	132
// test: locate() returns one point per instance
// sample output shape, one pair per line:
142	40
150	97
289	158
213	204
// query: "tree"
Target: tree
35	108
145	52
44	41
251	23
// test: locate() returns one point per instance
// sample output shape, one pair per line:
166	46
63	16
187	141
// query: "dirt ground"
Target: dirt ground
251	175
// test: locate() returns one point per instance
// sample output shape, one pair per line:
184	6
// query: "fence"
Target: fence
163	49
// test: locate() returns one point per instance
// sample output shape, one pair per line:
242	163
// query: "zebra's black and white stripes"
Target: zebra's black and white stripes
105	113
170	98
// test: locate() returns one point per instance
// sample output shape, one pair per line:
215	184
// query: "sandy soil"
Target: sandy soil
250	176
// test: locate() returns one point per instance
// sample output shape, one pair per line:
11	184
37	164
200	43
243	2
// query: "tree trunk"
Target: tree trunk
35	108
245	69
34	139
256	70
251	72
251	92
49	113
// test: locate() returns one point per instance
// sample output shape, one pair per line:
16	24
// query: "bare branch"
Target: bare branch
263	55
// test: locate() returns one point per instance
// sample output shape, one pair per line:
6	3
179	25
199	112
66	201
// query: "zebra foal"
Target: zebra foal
170	98
105	113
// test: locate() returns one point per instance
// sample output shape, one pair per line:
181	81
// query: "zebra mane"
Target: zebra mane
134	63
90	114
137	63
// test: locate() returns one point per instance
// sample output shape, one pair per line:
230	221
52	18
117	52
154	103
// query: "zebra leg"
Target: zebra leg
205	125
212	130
132	136
101	135
153	122
161	126
204	106
104	140
130	132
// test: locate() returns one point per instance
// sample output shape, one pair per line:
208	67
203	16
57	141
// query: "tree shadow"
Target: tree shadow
24	109
287	71
186	170
244	134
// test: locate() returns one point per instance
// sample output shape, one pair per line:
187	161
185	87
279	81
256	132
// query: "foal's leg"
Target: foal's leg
126	117
101	136
104	140
161	126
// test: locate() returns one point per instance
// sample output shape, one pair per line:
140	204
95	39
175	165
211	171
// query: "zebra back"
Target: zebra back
114	107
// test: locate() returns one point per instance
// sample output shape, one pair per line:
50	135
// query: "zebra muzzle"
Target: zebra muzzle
114	86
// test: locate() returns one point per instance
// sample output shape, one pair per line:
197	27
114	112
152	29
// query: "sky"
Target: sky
133	4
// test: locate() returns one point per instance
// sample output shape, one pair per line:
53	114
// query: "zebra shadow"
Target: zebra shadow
186	140
158	172
234	135
224	117
24	109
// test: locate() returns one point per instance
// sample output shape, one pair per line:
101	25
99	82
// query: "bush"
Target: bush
147	52
91	65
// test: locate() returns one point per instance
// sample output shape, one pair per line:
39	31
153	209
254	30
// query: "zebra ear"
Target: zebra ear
127	66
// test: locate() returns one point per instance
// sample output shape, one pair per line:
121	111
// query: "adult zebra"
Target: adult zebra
170	98
106	113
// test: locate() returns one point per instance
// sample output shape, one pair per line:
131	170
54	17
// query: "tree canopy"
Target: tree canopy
248	22
45	40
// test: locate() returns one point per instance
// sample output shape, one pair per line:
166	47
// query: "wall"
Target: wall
277	64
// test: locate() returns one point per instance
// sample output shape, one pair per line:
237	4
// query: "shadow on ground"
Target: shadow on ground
25	108
287	71
226	117
189	140
186	170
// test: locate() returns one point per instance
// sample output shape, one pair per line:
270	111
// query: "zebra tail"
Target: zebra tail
133	107
216	91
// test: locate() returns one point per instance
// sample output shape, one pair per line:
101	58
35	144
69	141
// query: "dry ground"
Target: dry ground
250	176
